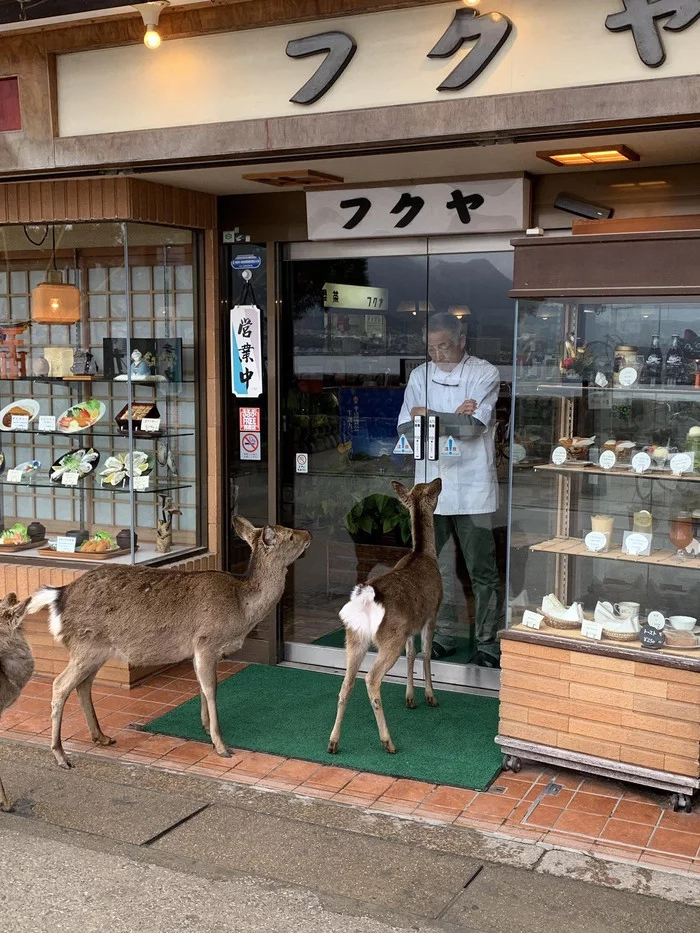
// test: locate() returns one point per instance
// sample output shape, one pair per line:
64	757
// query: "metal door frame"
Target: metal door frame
460	676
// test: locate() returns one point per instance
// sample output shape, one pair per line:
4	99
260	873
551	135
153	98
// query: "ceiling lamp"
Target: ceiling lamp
415	306
150	13
603	155
53	302
459	311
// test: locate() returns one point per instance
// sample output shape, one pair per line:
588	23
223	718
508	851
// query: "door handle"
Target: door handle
433	425
418	439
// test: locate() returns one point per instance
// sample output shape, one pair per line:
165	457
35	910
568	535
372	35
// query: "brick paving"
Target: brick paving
541	804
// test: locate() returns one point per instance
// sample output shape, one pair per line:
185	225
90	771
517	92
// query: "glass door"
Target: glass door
369	342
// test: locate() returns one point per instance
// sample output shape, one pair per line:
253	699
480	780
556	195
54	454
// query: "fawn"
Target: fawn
151	617
16	661
391	610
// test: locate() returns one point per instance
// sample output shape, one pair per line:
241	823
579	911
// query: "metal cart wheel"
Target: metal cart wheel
512	763
681	802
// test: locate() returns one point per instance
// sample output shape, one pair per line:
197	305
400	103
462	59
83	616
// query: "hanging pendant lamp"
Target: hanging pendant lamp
54	302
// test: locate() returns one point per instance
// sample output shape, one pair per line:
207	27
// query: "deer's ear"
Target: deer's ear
435	488
401	492
244	529
269	535
18	613
8	601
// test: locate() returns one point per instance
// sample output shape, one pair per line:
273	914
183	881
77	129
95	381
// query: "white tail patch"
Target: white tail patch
362	614
45	598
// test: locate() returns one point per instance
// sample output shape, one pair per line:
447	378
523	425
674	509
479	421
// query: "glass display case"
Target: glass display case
605	535
99	400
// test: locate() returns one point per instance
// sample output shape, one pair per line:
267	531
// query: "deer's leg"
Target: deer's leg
355	650
204	713
410	660
205	669
84	691
4	800
387	657
63	685
427	647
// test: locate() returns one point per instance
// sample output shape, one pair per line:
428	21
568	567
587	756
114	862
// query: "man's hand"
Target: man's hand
418	411
467	407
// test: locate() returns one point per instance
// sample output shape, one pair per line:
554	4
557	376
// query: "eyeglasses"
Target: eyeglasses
451	377
441	347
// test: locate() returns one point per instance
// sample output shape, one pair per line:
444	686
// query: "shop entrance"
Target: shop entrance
396	364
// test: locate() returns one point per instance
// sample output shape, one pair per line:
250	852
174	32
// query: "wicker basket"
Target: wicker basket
620	636
560	623
577	453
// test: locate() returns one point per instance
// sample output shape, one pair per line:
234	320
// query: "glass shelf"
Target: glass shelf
103	431
574	547
78	382
684	393
628	473
43	482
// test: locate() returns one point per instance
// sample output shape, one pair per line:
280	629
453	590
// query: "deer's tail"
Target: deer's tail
363	614
49	597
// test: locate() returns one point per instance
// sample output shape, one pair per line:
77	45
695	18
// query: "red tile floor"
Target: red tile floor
540	804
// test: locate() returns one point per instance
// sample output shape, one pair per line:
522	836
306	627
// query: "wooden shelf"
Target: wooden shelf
628	473
574	547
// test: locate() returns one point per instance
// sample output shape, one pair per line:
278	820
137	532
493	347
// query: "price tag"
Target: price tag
15	476
47	422
641	462
592	630
628	376
559	455
20	422
656	620
595	541
607	460
681	463
150	425
65	545
532	619
70	478
141	483
518	453
636	544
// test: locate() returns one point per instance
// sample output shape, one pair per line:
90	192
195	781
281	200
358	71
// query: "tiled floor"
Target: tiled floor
563	808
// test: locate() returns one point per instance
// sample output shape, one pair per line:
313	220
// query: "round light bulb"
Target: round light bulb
471	2
151	38
55	304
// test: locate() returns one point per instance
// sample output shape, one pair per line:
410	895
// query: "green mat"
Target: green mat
290	712
462	655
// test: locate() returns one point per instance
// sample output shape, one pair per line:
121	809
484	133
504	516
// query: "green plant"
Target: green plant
378	515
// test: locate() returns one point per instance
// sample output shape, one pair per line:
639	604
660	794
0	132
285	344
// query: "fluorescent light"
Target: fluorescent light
599	156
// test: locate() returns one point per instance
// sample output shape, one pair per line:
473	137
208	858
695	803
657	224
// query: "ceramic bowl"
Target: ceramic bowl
683	623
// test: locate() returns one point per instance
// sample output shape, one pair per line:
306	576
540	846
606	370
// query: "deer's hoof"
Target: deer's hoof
410	703
389	747
5	807
224	753
431	701
62	761
104	740
332	748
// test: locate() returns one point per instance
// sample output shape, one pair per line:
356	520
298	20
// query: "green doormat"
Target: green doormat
290	712
462	655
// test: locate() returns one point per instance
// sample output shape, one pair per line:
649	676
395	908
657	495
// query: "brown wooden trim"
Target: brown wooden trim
600	648
105	199
636	225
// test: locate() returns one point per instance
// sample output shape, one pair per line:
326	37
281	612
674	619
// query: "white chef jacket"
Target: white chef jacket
469	482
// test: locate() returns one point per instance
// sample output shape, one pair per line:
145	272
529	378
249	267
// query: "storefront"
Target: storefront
368	197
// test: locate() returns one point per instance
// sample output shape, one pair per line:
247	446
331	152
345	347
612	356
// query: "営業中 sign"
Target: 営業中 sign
246	351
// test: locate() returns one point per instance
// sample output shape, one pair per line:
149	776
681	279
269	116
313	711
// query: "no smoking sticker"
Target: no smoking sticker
250	445
302	462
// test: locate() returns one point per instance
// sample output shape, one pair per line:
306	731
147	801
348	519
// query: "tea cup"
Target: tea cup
682	623
627	610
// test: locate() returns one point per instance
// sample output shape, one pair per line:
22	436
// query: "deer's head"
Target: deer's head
12	612
422	498
282	546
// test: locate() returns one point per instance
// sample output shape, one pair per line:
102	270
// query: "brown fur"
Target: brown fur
16	661
411	594
149	617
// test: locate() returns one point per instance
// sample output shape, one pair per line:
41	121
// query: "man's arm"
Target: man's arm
485	396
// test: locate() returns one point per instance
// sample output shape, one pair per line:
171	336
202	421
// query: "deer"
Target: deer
391	610
148	616
16	661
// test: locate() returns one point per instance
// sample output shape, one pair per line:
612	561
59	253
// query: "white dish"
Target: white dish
102	408
30	405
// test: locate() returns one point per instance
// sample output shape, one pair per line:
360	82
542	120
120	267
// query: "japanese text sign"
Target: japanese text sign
484	206
246	352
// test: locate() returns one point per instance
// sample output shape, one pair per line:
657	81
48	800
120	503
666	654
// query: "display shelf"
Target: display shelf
45	483
572	390
102	431
628	473
77	382
574	547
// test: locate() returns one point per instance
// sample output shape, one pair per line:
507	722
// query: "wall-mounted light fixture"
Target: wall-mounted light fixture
53	301
601	155
150	13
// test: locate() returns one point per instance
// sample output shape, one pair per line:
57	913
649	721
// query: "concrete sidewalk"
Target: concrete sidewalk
110	846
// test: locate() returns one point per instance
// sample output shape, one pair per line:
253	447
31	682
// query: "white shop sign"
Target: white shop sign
355	297
246	352
494	205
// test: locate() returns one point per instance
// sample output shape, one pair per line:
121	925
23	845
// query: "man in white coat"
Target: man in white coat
462	391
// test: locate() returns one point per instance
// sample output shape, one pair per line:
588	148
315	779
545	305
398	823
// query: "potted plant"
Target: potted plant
379	519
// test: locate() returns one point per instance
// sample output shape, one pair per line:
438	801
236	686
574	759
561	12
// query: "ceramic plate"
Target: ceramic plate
23	406
81	461
28	466
81	417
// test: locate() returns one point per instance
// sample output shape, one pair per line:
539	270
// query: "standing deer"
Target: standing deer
391	610
151	617
16	661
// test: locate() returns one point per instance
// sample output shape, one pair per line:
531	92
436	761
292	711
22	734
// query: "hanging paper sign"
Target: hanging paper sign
641	462
682	463
246	351
403	447
607	460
